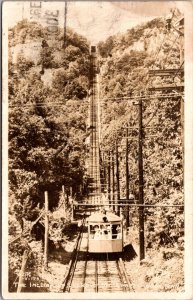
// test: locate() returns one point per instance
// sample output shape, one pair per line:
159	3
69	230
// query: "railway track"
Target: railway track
94	157
95	272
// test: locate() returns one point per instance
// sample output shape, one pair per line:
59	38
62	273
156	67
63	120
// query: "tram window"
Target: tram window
119	233
109	232
105	231
116	232
100	232
97	235
92	231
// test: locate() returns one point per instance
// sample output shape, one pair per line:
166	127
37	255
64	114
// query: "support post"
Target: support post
21	283
181	42
141	199
72	211
64	200
113	181
127	176
46	232
71	191
109	178
63	191
117	174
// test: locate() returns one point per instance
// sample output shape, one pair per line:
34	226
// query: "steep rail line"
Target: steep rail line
94	161
96	273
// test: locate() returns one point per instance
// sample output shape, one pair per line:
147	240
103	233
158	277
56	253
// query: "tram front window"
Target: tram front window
94	232
105	232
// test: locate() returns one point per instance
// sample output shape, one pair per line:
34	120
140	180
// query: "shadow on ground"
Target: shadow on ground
128	252
70	231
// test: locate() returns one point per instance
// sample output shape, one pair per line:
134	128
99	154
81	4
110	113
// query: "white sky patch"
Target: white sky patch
95	20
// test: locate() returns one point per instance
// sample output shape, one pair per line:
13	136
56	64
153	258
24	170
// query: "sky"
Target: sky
94	19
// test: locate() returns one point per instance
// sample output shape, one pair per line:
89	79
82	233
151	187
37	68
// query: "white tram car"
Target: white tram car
105	233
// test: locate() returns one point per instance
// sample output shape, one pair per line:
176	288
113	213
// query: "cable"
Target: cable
170	51
59	104
148	97
153	115
178	70
163	38
159	49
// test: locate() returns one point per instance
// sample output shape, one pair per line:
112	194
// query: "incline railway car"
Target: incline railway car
105	233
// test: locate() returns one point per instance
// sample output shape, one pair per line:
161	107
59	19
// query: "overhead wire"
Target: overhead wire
177	71
159	49
148	97
177	37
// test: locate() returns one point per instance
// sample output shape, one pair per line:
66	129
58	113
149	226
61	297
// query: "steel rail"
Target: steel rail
85	266
125	276
72	264
96	276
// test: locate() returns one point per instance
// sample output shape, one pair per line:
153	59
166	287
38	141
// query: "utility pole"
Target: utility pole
127	176
109	177
141	199
181	45
113	180
64	200
117	174
46	232
21	282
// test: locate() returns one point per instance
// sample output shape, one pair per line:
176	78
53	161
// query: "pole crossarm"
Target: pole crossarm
167	87
166	72
132	205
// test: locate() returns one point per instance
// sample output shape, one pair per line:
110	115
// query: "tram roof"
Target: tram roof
98	217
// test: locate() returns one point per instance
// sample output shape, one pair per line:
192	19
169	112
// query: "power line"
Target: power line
153	115
148	97
128	204
159	49
170	51
59	104
178	70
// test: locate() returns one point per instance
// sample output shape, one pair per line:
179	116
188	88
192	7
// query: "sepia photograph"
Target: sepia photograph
97	149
